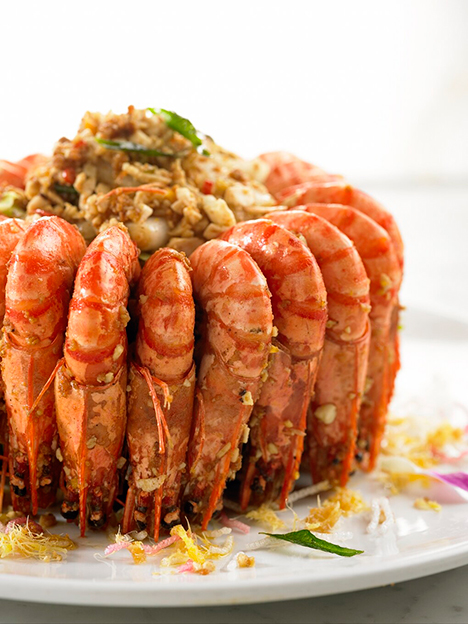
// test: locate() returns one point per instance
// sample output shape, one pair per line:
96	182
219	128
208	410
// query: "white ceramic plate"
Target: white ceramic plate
422	543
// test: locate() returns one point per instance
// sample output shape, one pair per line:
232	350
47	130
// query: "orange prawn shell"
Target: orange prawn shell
286	170
233	294
341	374
91	386
166	315
98	315
335	192
15	173
40	277
91	438
164	346
143	443
341	267
38	287
384	271
11	232
299	298
299	303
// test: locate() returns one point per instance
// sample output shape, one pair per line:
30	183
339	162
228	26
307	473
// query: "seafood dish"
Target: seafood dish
182	326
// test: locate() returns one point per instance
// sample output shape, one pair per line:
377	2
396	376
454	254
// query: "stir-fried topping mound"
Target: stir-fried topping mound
205	189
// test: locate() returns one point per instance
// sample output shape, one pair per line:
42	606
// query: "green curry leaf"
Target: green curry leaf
307	539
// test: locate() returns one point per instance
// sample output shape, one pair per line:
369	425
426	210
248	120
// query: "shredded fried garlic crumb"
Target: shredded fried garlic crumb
351	502
266	516
402	438
396	482
405	437
191	547
323	519
445	434
427	504
204	568
343	503
20	541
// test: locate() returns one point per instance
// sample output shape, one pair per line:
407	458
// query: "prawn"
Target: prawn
383	269
299	302
237	326
340	192
14	173
39	282
335	192
333	414
285	170
91	381
163	372
11	232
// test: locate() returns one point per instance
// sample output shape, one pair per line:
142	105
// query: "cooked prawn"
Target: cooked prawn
11	232
383	269
336	192
38	287
163	373
233	296
14	173
299	304
91	383
333	414
285	170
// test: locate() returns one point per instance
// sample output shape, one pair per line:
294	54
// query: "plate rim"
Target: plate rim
210	591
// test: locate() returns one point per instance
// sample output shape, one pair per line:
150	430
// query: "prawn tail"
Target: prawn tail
222	473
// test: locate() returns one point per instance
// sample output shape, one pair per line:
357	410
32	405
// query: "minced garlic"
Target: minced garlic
266	516
247	398
444	434
344	502
326	413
